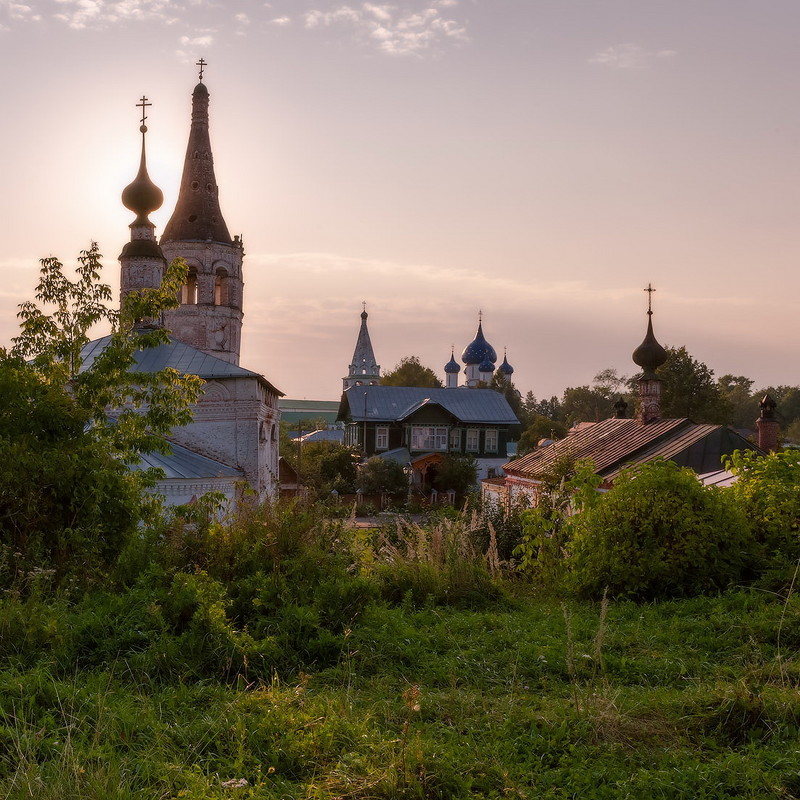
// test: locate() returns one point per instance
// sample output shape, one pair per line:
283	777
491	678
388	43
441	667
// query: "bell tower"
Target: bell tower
210	313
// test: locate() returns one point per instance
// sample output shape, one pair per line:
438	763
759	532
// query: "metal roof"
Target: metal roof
180	462
180	356
616	443
392	403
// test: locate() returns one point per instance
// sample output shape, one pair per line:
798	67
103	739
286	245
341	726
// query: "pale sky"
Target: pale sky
541	160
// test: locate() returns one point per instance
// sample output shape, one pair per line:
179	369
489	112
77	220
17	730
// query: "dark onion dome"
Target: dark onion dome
479	350
505	367
486	366
649	355
452	365
142	196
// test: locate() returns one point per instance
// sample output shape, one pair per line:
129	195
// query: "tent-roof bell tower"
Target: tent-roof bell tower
210	314
363	371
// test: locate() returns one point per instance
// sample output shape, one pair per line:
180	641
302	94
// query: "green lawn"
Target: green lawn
684	699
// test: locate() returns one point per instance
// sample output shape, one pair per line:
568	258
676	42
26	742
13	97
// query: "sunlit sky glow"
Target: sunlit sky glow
541	161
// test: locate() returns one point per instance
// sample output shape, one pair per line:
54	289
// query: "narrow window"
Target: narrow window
221	288
381	438
473	440
189	294
490	441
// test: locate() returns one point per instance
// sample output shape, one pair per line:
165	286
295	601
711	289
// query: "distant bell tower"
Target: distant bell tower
649	355
210	314
363	371
141	262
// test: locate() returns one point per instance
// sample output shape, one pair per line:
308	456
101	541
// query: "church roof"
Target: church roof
363	356
180	462
617	443
393	403
197	215
180	356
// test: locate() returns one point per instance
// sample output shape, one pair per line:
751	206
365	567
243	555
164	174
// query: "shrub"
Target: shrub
382	475
458	473
659	533
766	491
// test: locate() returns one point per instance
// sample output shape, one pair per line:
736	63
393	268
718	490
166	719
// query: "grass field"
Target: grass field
524	698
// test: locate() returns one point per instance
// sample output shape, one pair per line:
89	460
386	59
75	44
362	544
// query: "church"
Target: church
232	441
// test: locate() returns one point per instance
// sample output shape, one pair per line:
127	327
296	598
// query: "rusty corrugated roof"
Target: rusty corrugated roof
616	443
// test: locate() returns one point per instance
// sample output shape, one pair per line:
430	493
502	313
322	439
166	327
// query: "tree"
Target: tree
69	431
326	466
503	384
409	372
545	408
658	532
586	404
688	390
736	391
378	475
456	473
540	428
766	491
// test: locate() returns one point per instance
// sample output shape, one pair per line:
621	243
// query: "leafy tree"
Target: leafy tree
658	532
547	528
586	404
503	384
326	466
689	390
381	475
736	391
66	496
456	472
766	491
540	428
409	372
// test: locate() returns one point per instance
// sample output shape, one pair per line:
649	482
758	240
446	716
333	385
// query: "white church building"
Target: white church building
233	438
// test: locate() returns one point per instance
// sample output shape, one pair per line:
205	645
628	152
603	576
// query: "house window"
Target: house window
455	439
428	438
381	438
473	440
490	441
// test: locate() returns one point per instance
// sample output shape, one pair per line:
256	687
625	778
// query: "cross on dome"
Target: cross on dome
143	104
202	63
649	291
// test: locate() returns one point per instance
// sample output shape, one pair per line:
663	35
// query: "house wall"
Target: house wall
236	422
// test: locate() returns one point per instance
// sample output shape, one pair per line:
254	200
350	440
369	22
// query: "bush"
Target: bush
766	490
659	533
458	473
379	475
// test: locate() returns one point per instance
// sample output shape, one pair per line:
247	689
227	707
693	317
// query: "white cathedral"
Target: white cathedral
233	438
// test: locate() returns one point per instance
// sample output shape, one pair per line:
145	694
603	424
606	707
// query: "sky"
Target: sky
541	161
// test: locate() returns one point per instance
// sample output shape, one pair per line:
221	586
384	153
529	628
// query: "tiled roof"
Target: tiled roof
180	356
390	403
615	443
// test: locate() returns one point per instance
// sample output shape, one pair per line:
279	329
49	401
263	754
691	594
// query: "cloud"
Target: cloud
281	21
628	56
197	41
393	30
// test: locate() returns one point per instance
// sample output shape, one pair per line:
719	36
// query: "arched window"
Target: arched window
189	293
221	289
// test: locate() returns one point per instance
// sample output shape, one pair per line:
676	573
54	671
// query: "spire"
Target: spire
363	371
197	215
142	196
649	355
